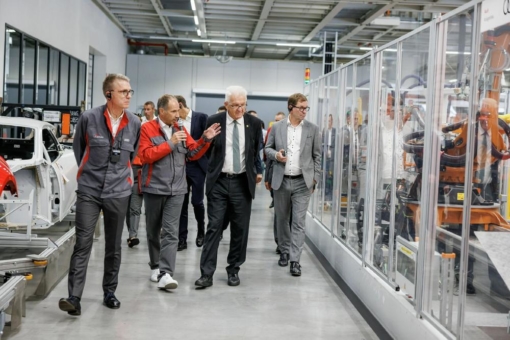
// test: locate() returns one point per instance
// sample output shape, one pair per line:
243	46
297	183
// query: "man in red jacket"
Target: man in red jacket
164	148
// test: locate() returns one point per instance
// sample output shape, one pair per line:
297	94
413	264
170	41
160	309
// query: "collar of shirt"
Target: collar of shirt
230	120
188	117
113	119
300	124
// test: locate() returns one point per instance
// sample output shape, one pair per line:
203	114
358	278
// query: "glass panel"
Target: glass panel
12	66
53	83
321	103
42	77
82	78
27	86
73	86
16	142
343	157
90	78
329	134
64	79
313	103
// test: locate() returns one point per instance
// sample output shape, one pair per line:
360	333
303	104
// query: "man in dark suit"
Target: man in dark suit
195	123
233	170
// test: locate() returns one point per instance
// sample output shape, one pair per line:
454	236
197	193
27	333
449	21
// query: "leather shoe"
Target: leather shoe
71	305
182	246
233	280
278	251
284	260
199	241
295	269
133	241
111	301
204	281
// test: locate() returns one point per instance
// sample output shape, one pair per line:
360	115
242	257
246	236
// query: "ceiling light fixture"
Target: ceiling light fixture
207	41
196	19
298	45
193	8
198	32
365	48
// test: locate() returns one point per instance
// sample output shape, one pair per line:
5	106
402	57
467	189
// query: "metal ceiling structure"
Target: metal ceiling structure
256	29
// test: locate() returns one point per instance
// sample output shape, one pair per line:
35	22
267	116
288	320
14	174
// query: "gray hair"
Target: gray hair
235	91
110	79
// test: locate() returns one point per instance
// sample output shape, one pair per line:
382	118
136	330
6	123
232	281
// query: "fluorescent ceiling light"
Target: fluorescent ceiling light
386	21
365	48
196	19
298	45
453	81
214	41
199	33
10	30
457	52
193	5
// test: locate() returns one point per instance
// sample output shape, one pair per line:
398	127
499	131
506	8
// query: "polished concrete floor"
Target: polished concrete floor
269	303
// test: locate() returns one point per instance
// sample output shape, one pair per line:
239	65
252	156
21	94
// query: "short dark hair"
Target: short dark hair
294	99
164	100
149	103
222	108
110	79
251	111
181	100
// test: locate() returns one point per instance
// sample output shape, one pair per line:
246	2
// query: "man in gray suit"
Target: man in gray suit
294	144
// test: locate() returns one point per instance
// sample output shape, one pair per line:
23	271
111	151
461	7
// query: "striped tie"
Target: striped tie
235	149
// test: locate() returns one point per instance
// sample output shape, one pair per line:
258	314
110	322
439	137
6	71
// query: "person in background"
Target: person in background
295	146
194	122
221	109
105	143
148	112
233	171
163	152
135	202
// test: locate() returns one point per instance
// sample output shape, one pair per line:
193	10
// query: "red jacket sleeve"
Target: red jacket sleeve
196	149
147	151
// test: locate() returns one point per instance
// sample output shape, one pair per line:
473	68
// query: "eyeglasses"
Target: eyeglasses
237	107
125	93
302	109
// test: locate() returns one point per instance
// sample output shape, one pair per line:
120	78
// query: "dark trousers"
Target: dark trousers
134	206
162	225
232	195
87	213
196	182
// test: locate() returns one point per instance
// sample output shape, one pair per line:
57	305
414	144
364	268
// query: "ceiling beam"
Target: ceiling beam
166	24
367	20
112	16
268	4
199	5
330	16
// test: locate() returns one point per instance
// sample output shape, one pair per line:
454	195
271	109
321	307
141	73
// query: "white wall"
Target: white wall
72	26
153	76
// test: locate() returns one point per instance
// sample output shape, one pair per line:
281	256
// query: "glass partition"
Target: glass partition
28	71
53	83
42	76
73	83
64	80
321	101
12	66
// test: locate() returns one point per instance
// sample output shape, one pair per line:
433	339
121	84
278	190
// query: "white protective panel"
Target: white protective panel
151	80
264	76
209	74
132	74
179	77
237	72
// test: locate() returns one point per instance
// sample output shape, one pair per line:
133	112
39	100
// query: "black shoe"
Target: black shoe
204	281
470	289
133	241
111	301
182	246
233	280
295	269
199	241
71	305
284	260
278	251
271	205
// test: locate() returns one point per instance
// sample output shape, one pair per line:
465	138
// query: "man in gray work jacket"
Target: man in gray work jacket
105	144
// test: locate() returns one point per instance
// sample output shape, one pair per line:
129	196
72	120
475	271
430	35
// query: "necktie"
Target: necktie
235	149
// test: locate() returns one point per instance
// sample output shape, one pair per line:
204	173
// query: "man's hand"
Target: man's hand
314	184
280	158
212	131
259	178
268	185
179	136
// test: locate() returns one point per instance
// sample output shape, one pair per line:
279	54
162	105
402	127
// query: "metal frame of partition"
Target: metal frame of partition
429	195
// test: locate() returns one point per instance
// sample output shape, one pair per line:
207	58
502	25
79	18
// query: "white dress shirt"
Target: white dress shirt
167	129
293	167
228	163
187	122
115	122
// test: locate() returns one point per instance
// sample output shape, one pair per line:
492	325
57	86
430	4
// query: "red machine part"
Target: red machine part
7	179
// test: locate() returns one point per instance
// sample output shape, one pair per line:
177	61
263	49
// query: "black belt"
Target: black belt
227	175
293	177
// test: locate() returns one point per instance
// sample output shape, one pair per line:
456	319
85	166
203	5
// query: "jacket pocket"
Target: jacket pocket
99	151
126	150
